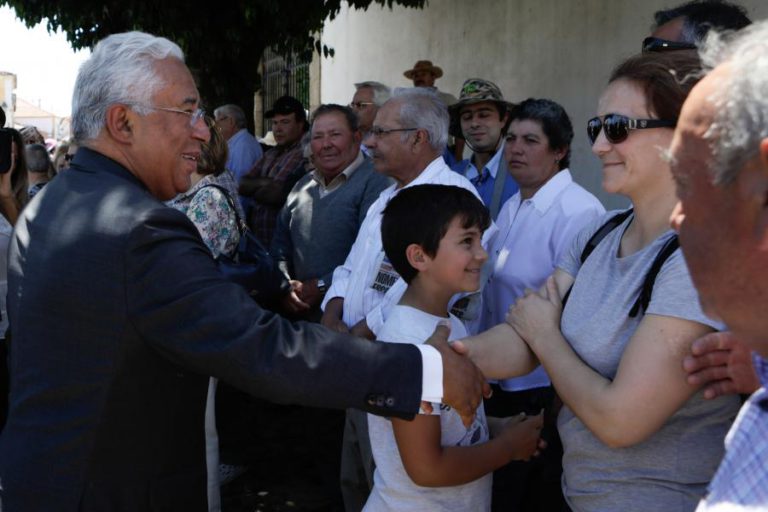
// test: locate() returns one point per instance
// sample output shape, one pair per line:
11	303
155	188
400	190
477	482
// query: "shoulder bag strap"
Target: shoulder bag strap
641	304
242	227
601	233
498	187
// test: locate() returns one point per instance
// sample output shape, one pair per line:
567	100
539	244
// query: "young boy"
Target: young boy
431	236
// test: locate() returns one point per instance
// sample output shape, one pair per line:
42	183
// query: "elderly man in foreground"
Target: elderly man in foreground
719	160
109	385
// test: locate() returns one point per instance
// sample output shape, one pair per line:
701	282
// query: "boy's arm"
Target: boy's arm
429	464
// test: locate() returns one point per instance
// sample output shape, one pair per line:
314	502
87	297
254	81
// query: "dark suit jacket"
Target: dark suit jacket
119	316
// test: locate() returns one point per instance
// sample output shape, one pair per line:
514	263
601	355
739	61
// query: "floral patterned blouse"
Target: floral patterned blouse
209	210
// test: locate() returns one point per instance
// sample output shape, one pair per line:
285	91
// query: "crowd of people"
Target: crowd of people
620	346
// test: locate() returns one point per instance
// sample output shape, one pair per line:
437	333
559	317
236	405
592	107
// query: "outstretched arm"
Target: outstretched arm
500	352
649	385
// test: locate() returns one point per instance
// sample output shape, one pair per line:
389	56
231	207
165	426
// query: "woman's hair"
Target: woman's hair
19	182
554	122
214	153
666	78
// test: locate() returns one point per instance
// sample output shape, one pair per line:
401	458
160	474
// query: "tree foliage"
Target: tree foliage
223	40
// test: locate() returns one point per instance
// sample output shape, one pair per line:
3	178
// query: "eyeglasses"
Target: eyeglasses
617	126
360	104
654	44
194	116
379	132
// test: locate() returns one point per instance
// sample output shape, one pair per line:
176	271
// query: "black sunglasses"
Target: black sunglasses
654	44
617	126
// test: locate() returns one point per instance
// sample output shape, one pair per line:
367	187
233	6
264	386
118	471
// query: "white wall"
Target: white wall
558	49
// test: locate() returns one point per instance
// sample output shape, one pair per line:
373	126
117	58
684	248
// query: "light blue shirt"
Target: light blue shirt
244	152
485	180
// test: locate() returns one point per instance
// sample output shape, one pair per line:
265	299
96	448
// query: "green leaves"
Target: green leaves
223	40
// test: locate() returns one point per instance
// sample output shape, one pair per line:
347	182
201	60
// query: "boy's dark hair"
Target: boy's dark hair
421	215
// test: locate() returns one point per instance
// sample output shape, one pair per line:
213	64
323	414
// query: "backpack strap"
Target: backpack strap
641	304
669	247
601	233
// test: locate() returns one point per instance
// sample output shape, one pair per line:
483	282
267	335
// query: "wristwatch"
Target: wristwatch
321	286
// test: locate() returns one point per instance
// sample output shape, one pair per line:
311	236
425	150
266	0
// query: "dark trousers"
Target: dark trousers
284	446
5	387
534	485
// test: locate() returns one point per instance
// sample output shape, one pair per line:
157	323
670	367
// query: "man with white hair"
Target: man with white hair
719	159
120	314
369	97
406	142
244	149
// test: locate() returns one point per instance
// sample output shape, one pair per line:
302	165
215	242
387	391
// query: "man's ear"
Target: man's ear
119	123
420	136
416	256
560	154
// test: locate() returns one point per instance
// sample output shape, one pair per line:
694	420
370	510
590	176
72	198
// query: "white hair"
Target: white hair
741	100
381	93
236	113
120	70
422	108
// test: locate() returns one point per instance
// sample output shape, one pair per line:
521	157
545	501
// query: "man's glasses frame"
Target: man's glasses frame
378	132
194	115
618	126
360	104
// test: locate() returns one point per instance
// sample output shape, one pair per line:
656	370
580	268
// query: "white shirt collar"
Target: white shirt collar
346	173
544	197
427	175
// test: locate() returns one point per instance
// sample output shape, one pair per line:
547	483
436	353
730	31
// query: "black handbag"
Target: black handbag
251	265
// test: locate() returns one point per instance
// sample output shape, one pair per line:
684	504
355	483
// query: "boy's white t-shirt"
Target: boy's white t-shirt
393	490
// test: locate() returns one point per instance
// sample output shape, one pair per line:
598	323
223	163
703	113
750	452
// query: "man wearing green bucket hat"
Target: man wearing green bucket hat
483	116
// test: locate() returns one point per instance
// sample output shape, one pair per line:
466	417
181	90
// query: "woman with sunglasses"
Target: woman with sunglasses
636	436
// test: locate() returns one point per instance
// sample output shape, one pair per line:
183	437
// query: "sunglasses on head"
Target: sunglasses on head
654	44
617	126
